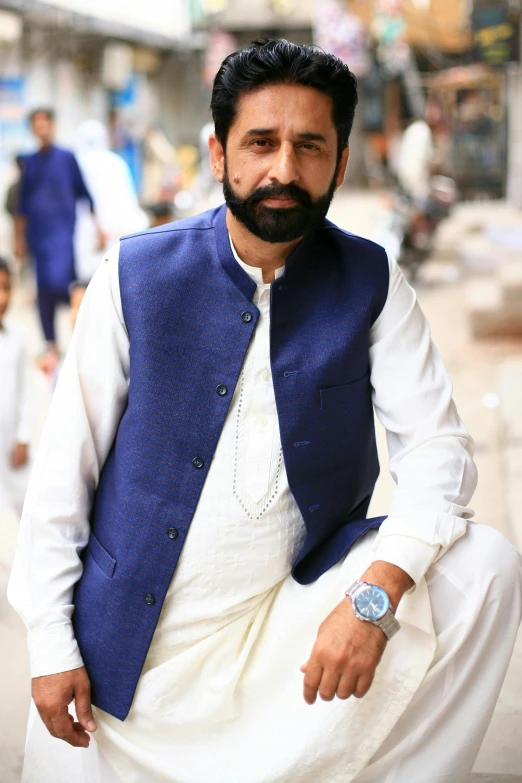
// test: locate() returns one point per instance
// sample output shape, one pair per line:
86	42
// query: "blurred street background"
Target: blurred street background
435	175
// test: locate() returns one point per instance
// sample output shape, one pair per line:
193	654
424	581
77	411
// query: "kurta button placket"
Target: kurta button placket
246	317
149	599
198	462
172	533
221	390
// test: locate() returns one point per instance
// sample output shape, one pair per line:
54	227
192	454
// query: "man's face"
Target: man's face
5	292
43	127
281	166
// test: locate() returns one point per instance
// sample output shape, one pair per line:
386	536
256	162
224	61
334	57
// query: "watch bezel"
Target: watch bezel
364	589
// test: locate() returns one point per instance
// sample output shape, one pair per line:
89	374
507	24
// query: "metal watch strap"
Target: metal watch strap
388	624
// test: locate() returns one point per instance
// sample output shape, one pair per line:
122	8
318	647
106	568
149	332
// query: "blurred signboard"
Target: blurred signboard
496	36
13	127
342	33
168	18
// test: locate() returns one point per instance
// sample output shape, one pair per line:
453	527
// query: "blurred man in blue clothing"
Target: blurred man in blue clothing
51	185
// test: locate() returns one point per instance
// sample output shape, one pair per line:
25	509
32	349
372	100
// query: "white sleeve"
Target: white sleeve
25	424
85	412
430	450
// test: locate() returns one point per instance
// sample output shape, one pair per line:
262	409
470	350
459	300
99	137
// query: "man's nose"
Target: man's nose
284	165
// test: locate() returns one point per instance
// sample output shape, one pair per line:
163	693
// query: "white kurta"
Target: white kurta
220	696
15	415
223	667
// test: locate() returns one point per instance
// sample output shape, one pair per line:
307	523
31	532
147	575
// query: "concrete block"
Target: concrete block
510	386
510	279
488	314
483	293
480	254
495	779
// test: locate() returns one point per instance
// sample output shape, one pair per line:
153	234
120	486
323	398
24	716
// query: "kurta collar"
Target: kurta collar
253	271
241	273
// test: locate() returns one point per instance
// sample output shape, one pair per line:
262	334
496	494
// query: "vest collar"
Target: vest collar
303	254
237	274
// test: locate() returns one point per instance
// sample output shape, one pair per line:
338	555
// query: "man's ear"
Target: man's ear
341	169
217	157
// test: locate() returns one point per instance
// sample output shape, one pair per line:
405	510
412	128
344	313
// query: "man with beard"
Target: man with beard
195	564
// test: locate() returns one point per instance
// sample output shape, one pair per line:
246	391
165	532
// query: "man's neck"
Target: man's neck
267	256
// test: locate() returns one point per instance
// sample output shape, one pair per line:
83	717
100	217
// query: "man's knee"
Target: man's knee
493	556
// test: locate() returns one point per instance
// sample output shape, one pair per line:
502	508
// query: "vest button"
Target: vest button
221	390
198	462
246	317
172	533
150	600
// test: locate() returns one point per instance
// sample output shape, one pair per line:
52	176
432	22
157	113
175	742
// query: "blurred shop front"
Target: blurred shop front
456	63
472	120
87	59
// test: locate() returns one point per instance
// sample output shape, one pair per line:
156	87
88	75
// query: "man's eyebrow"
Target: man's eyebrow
311	137
270	131
260	132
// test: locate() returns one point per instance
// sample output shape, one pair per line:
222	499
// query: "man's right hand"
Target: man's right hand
52	695
20	248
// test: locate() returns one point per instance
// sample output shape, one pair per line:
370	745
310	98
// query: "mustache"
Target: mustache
286	191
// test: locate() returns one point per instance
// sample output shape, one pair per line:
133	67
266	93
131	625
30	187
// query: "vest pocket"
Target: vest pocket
101	557
333	396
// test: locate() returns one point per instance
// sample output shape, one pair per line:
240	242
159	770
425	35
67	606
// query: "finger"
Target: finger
46	720
346	686
303	667
312	678
329	683
63	728
82	703
363	685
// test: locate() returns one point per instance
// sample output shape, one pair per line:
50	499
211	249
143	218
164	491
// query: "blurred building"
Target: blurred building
461	58
134	66
147	69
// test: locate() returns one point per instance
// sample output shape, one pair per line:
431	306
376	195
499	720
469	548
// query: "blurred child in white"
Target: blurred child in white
15	407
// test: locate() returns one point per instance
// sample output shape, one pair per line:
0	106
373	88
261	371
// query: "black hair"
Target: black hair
161	209
4	267
278	61
49	113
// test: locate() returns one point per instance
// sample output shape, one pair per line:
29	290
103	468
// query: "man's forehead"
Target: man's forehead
269	109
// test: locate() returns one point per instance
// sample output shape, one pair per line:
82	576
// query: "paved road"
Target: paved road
476	372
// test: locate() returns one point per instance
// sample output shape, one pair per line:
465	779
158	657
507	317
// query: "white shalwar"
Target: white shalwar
15	415
220	696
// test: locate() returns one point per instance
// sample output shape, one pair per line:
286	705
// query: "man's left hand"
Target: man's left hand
19	455
101	237
344	657
348	650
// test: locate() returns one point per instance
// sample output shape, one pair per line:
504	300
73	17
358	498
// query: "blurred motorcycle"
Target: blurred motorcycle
408	227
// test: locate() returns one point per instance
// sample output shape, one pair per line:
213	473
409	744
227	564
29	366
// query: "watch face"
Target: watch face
372	603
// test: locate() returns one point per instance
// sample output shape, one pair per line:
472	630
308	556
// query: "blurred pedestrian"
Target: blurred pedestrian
13	191
416	160
162	213
51	186
109	182
15	407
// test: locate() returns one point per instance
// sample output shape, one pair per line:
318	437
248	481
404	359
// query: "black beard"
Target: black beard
284	224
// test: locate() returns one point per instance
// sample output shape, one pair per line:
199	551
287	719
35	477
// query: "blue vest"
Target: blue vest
188	309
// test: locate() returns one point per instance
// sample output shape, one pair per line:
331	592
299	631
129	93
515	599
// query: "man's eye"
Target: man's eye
260	143
308	146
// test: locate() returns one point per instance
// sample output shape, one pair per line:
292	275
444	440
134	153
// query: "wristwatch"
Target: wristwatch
371	604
